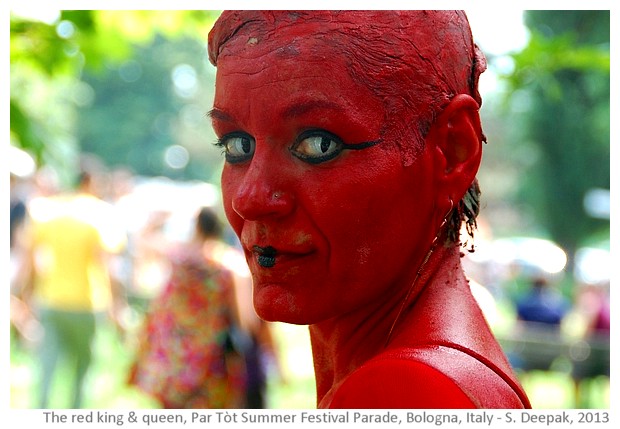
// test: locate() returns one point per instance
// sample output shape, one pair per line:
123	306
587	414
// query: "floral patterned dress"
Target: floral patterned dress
183	359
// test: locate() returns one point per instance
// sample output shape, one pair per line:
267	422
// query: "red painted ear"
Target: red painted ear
456	136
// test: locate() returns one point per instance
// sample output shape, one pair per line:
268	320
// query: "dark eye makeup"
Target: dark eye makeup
313	146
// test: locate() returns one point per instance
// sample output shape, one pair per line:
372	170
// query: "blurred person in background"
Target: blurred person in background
542	303
18	212
262	362
189	354
591	325
68	240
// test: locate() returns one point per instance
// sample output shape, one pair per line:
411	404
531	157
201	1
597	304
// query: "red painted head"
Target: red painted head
348	136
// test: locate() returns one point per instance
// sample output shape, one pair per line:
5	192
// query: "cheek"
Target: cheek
229	189
379	225
376	223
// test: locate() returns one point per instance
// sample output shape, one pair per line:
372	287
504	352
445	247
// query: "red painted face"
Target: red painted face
330	218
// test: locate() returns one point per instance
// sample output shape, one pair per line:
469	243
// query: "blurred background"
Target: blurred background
126	93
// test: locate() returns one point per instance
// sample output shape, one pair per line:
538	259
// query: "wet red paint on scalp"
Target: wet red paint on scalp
348	236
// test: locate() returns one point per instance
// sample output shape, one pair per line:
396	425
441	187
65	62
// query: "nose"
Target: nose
262	193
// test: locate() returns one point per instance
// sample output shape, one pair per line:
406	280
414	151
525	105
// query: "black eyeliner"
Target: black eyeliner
360	146
317	132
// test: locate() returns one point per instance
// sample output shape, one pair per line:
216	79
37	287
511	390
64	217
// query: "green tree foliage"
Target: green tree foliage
51	60
562	81
137	111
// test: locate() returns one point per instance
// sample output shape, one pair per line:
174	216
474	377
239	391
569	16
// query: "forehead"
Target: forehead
254	49
289	74
285	34
288	67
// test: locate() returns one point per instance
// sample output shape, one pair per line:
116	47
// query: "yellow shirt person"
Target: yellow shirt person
71	236
69	239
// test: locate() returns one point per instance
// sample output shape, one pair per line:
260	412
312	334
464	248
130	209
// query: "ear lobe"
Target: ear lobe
457	139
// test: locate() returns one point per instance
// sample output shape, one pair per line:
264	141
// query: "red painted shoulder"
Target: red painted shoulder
399	383
429	377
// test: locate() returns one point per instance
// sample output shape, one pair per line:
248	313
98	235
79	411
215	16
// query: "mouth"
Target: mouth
266	256
269	256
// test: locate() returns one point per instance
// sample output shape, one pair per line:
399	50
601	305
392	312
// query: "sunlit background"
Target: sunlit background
128	90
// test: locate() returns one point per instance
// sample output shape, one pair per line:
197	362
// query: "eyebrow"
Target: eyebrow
294	110
215	113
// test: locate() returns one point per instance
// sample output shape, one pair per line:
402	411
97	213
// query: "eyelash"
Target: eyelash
222	142
219	143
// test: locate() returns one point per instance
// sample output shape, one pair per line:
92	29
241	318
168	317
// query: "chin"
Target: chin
273	303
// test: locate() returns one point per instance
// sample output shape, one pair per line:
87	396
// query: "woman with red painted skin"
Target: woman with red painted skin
352	140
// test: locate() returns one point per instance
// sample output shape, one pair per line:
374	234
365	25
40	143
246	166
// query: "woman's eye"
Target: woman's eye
238	147
317	146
